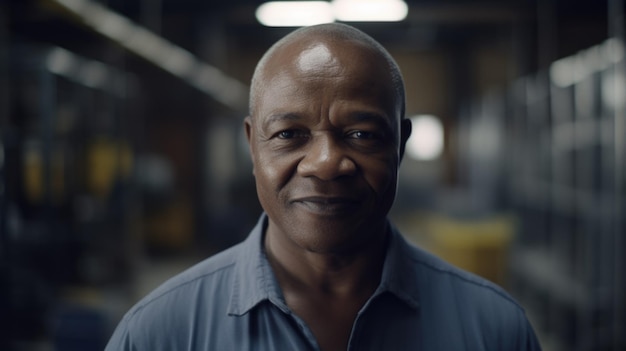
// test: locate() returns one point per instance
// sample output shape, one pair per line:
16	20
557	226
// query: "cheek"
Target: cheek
381	176
272	171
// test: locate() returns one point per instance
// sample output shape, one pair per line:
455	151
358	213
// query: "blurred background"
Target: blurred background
122	157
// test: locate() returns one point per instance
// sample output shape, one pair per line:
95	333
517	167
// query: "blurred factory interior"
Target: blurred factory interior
122	158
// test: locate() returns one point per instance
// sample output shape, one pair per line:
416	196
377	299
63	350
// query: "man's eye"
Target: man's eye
361	134
289	134
286	134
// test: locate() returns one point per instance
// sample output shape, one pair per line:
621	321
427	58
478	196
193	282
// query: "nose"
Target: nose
326	159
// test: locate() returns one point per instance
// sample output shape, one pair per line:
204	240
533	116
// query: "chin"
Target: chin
335	235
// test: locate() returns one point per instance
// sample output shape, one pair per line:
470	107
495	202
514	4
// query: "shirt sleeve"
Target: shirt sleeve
121	339
527	340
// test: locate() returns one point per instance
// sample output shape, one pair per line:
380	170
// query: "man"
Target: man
324	269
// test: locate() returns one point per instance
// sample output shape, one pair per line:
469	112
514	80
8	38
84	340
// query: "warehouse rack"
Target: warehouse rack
559	135
68	199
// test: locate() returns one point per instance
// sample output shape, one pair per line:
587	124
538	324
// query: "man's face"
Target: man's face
324	139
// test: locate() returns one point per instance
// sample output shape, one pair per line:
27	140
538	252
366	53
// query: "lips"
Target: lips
327	205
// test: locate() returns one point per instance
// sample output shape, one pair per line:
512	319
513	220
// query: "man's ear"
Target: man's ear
247	125
405	133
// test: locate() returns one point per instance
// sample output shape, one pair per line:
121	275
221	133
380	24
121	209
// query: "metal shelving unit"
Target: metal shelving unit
563	176
66	228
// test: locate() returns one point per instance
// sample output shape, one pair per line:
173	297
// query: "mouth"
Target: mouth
327	205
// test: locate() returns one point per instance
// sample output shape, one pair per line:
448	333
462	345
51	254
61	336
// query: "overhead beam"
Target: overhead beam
159	51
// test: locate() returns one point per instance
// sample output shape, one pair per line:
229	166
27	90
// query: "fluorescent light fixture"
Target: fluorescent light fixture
573	69
370	10
178	61
162	53
614	49
562	72
144	43
107	22
613	91
61	62
294	13
90	73
308	13
426	141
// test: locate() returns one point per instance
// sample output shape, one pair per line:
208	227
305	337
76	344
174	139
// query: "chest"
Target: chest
267	327
330	324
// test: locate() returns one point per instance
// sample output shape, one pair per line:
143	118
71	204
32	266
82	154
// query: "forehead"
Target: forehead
318	58
349	67
317	53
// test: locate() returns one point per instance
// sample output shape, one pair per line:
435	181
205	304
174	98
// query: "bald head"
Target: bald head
300	46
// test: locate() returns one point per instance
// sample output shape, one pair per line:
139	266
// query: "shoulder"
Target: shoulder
214	268
443	274
192	307
453	293
468	305
476	306
181	300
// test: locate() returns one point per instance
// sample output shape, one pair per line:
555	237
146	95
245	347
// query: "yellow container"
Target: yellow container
478	246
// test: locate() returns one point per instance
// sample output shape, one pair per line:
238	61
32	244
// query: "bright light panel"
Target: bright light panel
308	13
294	13
370	10
426	141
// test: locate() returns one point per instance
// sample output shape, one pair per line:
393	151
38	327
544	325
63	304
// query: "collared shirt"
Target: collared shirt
232	301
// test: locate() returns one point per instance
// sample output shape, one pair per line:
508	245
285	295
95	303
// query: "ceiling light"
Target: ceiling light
60	61
370	10
161	52
294	13
426	140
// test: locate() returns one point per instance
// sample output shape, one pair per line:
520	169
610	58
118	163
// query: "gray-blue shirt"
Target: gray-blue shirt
232	301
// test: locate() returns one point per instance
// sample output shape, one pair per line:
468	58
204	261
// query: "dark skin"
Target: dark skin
325	137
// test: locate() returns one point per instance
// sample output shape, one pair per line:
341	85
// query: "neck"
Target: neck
350	274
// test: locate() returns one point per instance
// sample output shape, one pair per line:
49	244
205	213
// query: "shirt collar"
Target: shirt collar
399	275
254	281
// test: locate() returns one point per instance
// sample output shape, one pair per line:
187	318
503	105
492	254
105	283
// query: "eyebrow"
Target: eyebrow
279	117
373	117
368	117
